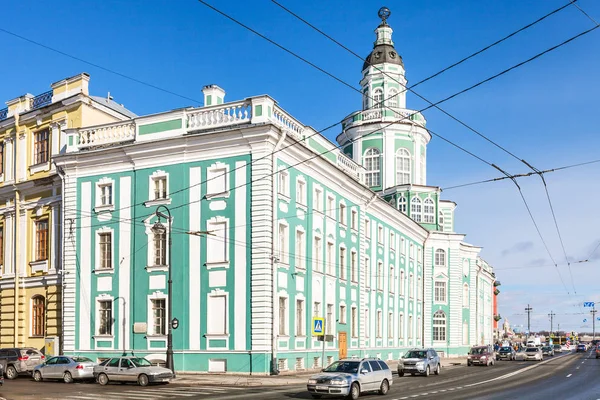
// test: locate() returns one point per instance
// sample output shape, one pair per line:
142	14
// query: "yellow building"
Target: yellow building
31	133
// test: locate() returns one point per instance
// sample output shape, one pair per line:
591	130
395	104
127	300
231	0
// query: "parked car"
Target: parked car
131	369
597	351
557	348
16	361
506	353
520	355
482	355
548	351
419	361
66	368
1	375
351	377
581	348
534	353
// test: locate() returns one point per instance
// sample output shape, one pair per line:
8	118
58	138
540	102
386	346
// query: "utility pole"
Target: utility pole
528	310
593	322
551	315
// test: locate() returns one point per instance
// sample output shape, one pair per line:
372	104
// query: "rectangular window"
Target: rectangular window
159	316
37	316
354	322
330	258
402	283
301	192
367	324
216	181
392	241
342	314
41	240
354	219
419	254
440	292
390	325
380	275
160	187
419	326
400	326
106	194
331	207
217	315
342	263
284	185
391	280
300	250
282	316
1	158
105	240
316	309
410	327
216	242
353	267
380	234
412	251
282	251
40	146
299	317
379	324
402	246
318	200
106	319
343	214
329	321
317	254
411	286
367	229
367	272
160	248
419	288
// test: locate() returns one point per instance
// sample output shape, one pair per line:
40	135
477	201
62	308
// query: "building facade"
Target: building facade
271	225
31	129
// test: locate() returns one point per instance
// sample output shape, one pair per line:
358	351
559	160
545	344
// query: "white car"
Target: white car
534	353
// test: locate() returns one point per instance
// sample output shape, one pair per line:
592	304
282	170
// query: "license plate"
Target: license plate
322	387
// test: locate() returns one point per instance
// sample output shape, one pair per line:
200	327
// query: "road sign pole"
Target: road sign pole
593	322
324	337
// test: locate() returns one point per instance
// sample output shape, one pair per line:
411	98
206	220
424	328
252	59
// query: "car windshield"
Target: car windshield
343	366
141	362
547	348
415	354
478	350
532	350
81	359
505	348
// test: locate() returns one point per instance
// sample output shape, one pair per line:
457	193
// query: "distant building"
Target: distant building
299	229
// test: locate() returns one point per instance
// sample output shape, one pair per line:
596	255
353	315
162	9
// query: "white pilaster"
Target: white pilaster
240	272
124	261
195	267
85	268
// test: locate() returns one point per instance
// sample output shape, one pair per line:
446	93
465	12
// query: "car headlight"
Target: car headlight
338	382
483	357
468	357
311	381
420	364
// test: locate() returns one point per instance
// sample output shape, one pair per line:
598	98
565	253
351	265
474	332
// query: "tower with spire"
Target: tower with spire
388	139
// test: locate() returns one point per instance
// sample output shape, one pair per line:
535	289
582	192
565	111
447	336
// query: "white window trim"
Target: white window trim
433	325
300	297
283	173
98	299
110	270
342	212
286	321
283	255
435	261
318	205
106	207
209	312
150	253
300	254
158	295
354	219
151	200
219	220
466	299
212	173
318	258
303	201
428	202
445	282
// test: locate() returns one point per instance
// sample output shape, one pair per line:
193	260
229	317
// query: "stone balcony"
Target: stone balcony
385	115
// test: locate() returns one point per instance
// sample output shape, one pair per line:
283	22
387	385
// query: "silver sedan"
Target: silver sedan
131	369
65	368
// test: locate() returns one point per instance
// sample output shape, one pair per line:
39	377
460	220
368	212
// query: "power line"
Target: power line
98	66
586	14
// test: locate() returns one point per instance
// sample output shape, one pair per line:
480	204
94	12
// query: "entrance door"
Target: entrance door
343	344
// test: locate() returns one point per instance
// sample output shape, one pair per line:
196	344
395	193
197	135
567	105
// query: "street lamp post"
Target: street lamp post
160	229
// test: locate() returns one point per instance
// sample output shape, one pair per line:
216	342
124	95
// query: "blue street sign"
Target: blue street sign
588	304
597	318
317	326
585	320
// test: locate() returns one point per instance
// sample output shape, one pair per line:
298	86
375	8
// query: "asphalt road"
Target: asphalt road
567	376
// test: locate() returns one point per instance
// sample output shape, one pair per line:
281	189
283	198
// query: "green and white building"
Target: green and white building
298	227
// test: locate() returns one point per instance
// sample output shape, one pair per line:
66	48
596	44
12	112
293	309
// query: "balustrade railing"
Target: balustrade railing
3	113
41	100
227	114
383	114
285	121
349	166
106	134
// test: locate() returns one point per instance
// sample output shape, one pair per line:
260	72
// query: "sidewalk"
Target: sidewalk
285	378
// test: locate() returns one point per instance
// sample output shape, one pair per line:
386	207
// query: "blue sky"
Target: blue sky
544	112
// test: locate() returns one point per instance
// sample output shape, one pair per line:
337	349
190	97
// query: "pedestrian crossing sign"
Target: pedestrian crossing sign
317	326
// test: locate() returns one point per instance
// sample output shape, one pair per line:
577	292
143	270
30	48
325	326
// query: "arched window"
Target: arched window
441	221
402	204
440	258
393	98
465	296
378	98
37	315
429	211
402	167
372	163
439	326
415	209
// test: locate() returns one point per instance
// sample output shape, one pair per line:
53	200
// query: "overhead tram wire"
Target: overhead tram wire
439	102
459	120
99	66
337	123
586	14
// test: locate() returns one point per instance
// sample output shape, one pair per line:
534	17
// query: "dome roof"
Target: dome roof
383	53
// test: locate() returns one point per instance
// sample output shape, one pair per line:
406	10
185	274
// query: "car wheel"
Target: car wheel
11	372
103	379
438	369
37	376
469	364
412	374
401	371
67	377
143	380
426	371
354	391
385	386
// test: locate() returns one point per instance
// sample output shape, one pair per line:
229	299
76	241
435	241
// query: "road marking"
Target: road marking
568	376
405	397
434	392
459	387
